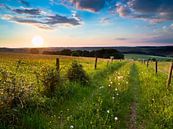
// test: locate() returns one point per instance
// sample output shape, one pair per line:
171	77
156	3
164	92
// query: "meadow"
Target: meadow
117	94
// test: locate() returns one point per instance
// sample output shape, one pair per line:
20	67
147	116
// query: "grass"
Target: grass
146	57
122	94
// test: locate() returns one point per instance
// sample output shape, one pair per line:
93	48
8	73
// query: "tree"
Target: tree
34	51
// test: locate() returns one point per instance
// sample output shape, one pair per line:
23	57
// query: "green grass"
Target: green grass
146	57
104	103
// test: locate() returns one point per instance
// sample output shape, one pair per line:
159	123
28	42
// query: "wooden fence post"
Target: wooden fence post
147	63
156	66
58	67
170	74
107	63
95	66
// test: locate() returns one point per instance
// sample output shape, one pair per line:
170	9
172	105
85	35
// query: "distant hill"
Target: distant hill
158	50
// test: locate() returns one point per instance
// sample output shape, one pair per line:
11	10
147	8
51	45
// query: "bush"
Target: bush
14	90
76	73
49	79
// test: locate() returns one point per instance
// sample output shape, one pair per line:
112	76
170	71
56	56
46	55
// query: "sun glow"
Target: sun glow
37	41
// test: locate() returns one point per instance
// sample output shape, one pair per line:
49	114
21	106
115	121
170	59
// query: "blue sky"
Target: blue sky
68	23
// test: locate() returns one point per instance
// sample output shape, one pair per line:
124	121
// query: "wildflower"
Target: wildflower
109	85
101	87
117	94
113	97
108	111
116	89
116	118
71	126
111	82
120	77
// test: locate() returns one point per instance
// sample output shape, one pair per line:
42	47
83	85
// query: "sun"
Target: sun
37	41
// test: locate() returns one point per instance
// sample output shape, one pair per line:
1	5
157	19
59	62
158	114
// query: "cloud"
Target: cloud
161	39
45	22
30	11
123	10
56	19
88	5
105	20
24	2
153	10
38	17
122	39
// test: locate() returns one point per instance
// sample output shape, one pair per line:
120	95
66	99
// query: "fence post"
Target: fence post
95	66
107	63
170	74
156	66
58	67
147	63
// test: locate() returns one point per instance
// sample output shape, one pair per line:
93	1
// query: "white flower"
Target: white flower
120	77
101	87
117	94
116	118
109	85
113	97
111	82
71	126
116	89
108	111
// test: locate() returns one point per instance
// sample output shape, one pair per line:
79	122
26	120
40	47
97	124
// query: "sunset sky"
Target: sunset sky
71	23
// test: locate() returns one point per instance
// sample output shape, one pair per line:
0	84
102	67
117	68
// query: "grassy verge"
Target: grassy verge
59	110
155	108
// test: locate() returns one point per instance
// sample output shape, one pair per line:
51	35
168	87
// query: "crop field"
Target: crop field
118	94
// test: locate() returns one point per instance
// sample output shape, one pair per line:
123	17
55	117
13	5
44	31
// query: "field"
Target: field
146	57
118	95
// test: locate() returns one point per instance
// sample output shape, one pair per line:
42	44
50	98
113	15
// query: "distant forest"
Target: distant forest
102	53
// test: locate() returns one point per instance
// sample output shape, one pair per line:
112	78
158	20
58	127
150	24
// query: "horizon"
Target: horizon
82	47
85	23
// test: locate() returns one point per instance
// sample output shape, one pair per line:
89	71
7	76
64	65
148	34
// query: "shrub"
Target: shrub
76	73
14	90
49	79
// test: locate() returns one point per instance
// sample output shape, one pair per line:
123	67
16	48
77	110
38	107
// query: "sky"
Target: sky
85	23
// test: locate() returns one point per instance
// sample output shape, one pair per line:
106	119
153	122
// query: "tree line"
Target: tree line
102	53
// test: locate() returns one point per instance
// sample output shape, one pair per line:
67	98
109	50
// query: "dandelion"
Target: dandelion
71	127
116	118
108	111
118	83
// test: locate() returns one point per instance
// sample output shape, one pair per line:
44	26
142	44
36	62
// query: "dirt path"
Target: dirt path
133	115
134	87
